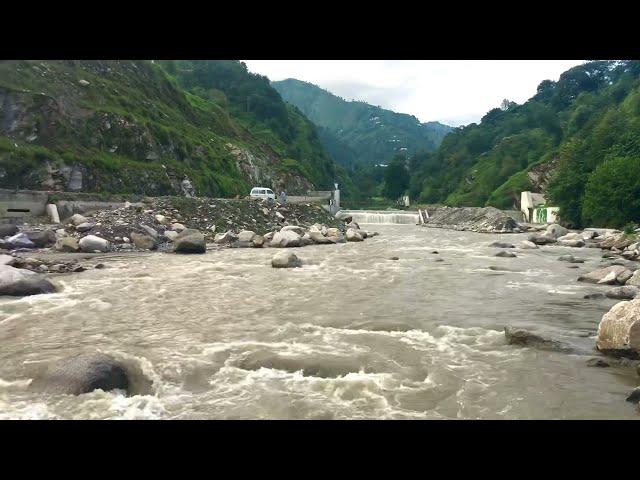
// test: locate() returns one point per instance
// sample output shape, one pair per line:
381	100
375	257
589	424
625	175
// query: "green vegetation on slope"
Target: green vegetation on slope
356	133
129	127
586	119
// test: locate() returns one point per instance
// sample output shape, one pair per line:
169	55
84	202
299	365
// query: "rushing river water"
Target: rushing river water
352	334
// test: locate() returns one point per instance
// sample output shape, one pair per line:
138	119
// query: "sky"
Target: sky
454	92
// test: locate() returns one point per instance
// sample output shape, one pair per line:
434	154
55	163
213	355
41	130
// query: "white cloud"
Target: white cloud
456	92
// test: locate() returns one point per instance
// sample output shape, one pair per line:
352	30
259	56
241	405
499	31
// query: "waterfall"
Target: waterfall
383	217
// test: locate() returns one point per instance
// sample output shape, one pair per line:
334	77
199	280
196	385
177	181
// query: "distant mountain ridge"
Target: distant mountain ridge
356	133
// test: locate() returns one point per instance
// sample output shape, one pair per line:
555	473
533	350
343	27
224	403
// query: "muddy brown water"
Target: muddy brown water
352	334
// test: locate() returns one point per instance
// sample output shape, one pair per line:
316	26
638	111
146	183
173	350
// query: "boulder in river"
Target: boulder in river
21	282
606	275
502	245
287	238
67	244
555	230
143	241
520	336
91	243
634	396
83	373
285	259
576	243
626	292
189	241
619	330
570	259
353	235
527	245
541	239
506	254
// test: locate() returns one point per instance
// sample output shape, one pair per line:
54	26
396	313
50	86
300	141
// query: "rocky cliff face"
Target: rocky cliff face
124	127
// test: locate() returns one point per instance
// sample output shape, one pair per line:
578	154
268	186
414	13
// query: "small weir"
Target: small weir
389	217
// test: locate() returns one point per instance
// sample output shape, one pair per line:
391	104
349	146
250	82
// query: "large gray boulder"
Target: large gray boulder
83	373
294	228
285	260
85	227
556	231
91	243
619	330
606	275
626	292
67	244
189	241
287	238
527	245
20	282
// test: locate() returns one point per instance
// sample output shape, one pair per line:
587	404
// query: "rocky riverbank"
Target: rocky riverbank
472	219
166	224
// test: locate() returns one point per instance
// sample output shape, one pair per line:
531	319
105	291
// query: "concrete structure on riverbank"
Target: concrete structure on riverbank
535	210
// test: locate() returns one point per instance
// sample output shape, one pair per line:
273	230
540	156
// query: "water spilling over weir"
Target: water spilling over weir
384	217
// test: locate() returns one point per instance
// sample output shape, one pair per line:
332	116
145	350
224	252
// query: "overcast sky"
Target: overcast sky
454	92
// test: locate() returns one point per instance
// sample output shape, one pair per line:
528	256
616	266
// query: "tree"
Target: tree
612	193
396	178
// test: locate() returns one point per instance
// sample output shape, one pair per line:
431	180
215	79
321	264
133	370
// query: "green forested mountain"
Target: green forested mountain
359	134
577	139
143	126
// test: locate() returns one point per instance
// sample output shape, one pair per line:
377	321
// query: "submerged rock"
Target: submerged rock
519	336
83	373
20	282
285	260
619	330
597	362
570	259
502	245
505	254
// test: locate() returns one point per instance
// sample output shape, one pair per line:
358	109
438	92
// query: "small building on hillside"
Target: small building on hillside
535	210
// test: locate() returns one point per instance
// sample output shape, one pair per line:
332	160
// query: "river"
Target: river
351	335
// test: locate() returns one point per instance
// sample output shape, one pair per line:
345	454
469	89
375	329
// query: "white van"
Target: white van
262	192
